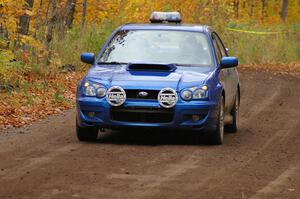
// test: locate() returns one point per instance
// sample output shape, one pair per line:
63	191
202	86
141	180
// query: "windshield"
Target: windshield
159	47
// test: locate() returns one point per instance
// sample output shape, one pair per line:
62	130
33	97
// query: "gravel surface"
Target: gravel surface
262	160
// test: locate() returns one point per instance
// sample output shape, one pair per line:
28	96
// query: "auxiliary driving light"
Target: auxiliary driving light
91	114
196	118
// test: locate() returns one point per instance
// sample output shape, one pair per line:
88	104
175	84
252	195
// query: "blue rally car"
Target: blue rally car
160	75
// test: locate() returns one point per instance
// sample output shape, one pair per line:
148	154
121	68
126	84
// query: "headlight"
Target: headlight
194	93
101	92
199	94
89	91
93	90
186	95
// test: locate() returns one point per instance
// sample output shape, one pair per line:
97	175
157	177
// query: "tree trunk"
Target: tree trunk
1	25
24	20
264	9
29	4
45	22
244	4
236	8
37	19
4	33
284	7
70	11
252	8
47	12
51	24
84	4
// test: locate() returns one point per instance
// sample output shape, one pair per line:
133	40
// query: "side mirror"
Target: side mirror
88	58
229	62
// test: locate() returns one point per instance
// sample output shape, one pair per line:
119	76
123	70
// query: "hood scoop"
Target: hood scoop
152	67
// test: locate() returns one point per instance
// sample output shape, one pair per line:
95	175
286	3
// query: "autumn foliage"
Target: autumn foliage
31	25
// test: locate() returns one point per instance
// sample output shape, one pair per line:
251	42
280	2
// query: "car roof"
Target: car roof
167	26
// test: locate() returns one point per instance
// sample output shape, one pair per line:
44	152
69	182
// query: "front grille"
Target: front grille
142	115
134	94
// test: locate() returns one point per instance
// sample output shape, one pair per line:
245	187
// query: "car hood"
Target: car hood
182	77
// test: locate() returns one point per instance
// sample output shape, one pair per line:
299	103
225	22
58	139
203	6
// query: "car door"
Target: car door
231	75
225	74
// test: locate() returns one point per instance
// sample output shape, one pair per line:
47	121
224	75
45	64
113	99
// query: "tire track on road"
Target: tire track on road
33	163
274	187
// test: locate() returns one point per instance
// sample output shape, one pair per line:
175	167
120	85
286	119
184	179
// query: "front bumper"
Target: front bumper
92	111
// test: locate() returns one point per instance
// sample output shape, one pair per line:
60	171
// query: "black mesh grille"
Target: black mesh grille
142	115
134	94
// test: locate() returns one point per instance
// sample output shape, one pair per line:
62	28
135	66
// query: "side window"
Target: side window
221	45
218	53
217	49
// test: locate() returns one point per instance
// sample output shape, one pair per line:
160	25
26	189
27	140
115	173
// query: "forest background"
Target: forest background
41	42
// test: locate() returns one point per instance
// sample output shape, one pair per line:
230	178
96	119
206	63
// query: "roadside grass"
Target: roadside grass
258	47
68	50
261	49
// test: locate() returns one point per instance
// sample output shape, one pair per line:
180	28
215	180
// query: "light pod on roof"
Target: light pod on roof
165	17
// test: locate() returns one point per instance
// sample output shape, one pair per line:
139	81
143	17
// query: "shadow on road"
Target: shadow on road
153	138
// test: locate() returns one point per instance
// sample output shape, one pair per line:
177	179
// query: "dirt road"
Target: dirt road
261	161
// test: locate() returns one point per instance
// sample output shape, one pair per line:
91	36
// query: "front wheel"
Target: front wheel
217	136
87	134
233	128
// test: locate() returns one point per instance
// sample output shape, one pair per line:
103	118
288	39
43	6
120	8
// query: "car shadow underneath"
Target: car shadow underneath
153	137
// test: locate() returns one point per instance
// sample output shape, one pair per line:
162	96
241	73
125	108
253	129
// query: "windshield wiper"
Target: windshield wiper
112	63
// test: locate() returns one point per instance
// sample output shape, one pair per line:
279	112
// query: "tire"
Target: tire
217	136
86	134
233	128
